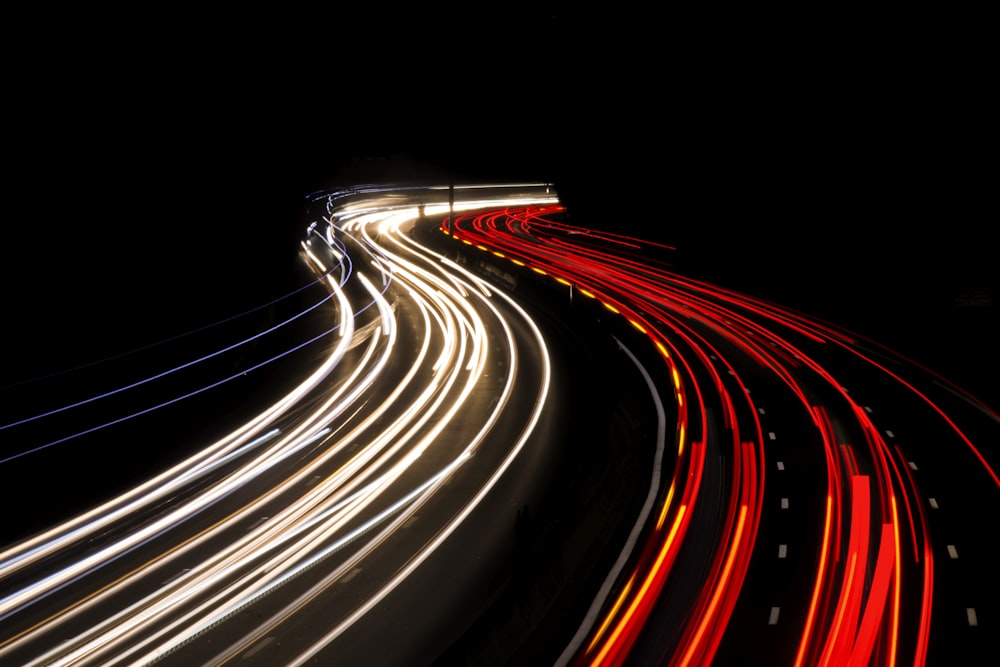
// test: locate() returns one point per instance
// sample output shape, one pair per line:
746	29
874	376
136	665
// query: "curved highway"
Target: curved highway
820	499
765	488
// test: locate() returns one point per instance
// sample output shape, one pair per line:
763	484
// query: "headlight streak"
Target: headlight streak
328	474
277	531
17	558
272	534
201	389
176	369
443	534
316	281
157	376
282	547
411	502
345	271
86	524
21	555
263	628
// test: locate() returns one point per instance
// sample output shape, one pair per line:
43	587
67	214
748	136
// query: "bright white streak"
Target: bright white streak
50	583
442	535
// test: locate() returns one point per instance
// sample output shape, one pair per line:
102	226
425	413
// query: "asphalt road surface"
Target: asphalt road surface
481	435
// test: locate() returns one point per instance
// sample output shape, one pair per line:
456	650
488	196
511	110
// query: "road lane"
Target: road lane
799	495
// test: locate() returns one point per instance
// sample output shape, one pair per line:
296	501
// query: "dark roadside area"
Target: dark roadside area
568	540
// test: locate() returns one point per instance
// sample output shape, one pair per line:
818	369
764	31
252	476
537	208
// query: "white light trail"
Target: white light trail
331	465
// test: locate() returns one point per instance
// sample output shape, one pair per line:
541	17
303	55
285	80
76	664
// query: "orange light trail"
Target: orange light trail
620	640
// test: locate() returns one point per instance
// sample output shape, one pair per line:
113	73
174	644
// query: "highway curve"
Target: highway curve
480	434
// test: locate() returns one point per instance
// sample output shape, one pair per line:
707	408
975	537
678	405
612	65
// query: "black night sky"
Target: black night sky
157	164
155	180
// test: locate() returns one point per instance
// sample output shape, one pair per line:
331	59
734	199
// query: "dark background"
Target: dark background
841	164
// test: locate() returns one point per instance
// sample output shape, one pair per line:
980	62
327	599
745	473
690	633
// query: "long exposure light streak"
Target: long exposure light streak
353	483
587	627
850	616
420	381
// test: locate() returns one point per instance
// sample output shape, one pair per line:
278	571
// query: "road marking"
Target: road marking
176	577
781	466
782	550
258	522
258	646
784	503
970	612
952	551
760	410
773	620
933	502
889	433
770	434
868	410
913	466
